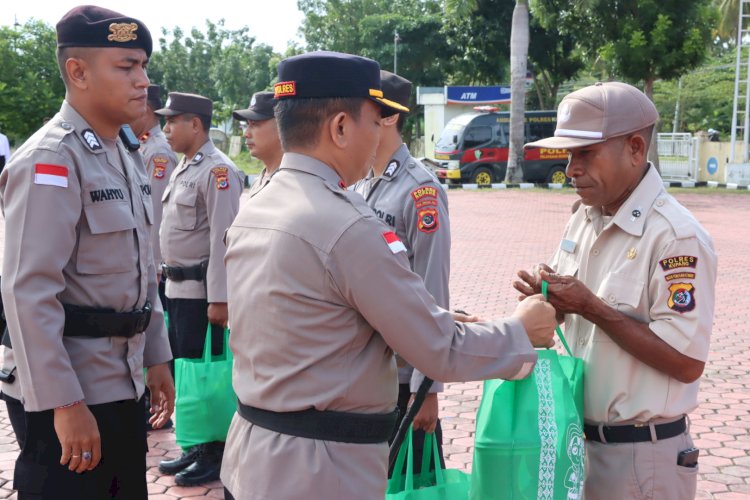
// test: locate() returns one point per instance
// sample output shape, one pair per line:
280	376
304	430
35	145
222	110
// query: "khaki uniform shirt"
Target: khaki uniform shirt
160	162
200	202
655	263
321	293
260	182
78	216
409	199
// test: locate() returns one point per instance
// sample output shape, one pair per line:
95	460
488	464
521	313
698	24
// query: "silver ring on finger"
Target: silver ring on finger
87	455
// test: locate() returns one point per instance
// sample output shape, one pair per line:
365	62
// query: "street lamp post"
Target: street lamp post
396	39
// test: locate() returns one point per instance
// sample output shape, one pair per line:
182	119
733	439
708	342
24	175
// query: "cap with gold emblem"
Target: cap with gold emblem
92	26
331	74
179	103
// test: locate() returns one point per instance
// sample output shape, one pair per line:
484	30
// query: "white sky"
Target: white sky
273	22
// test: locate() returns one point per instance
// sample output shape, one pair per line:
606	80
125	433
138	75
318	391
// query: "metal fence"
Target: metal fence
678	156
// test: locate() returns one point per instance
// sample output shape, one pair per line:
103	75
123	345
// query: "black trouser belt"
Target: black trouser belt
343	427
192	273
94	322
634	433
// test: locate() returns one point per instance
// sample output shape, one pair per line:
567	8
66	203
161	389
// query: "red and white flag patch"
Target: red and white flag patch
393	242
51	175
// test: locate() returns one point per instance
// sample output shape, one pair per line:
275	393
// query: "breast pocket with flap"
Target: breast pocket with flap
185	201
106	241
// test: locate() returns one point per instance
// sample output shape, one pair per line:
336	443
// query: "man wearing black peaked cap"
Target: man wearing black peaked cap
83	313
261	136
321	293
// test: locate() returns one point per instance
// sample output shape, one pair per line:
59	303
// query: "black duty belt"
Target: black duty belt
343	427
95	322
634	433
191	273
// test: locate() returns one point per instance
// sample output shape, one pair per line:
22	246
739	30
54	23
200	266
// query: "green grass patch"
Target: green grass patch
247	163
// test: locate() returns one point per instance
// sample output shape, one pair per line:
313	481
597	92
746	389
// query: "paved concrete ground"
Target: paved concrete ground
494	234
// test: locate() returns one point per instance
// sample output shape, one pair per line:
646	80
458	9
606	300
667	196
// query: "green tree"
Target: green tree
30	85
705	100
638	40
224	65
367	27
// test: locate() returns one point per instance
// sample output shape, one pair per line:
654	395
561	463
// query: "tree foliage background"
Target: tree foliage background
441	42
31	88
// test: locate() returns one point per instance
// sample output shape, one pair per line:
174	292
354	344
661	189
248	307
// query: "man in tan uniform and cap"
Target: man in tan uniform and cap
261	136
322	294
634	275
82	310
200	202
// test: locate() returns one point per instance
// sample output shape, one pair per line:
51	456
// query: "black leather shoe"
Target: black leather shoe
205	468
171	467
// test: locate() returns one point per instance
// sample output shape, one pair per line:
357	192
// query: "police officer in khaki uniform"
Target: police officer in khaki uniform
159	158
82	312
200	202
409	199
261	136
634	276
321	293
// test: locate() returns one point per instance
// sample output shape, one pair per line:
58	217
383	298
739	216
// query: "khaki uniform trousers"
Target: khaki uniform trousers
639	471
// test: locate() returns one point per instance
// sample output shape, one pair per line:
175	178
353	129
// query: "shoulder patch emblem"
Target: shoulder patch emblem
427	220
679	261
394	244
160	171
222	177
391	169
680	276
424	191
90	138
681	297
51	175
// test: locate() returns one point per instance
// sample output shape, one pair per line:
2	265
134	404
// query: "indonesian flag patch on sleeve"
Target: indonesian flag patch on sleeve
393	242
51	175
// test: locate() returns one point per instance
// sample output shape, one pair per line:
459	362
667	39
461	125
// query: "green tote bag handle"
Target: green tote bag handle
545	285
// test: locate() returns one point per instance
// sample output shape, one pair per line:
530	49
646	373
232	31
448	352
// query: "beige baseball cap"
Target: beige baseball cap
599	112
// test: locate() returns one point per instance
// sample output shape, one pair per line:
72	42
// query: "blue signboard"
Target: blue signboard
477	95
712	165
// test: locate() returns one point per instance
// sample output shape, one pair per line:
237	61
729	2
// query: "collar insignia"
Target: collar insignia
391	169
91	139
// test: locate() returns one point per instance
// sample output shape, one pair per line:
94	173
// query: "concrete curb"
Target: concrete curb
545	185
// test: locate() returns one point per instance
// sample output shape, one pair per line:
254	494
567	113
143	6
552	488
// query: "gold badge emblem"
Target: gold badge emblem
632	254
122	32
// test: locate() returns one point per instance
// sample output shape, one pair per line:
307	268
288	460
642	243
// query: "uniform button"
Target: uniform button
659	203
595	251
611	299
66	125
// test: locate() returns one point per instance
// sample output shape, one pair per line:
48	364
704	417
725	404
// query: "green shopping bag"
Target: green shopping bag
529	437
438	484
205	402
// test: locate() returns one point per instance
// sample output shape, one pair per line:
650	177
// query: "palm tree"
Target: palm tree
729	11
519	49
